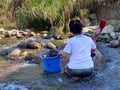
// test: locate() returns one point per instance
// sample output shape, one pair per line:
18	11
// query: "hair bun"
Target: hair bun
75	26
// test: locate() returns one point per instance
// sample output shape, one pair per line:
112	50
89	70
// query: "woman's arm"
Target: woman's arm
64	54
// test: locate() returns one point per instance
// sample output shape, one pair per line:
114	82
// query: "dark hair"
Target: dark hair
75	27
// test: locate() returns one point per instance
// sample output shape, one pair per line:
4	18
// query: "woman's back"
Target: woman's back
80	47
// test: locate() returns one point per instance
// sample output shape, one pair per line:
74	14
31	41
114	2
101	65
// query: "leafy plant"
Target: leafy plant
23	18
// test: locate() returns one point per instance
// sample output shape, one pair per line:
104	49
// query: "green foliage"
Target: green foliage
46	9
43	14
23	18
49	11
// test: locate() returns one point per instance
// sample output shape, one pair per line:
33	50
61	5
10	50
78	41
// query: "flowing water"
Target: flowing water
16	75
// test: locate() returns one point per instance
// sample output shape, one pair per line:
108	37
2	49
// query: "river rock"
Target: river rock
42	32
108	29
1	29
93	16
15	52
117	34
32	34
86	22
23	33
112	35
56	36
18	35
119	38
7	34
44	35
114	43
22	45
33	45
27	30
32	59
117	28
23	55
50	45
105	37
42	44
2	36
62	37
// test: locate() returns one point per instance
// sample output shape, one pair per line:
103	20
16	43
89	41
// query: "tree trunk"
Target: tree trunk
12	9
67	19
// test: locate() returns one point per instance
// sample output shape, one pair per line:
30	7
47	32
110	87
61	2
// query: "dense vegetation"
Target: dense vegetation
46	14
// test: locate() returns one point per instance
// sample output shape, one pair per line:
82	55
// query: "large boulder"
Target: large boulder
108	29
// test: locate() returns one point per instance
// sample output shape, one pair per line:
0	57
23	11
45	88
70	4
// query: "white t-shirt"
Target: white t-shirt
79	47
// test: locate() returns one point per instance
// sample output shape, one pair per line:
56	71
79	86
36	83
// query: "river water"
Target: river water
24	76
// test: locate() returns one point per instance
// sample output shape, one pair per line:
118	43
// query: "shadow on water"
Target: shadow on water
34	78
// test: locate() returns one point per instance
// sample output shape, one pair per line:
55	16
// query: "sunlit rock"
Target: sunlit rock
23	55
32	34
33	45
15	52
50	45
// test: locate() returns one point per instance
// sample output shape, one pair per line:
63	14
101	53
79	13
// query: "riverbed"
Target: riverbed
17	75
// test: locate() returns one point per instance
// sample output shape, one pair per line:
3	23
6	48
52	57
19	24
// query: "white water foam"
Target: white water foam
17	67
12	86
23	64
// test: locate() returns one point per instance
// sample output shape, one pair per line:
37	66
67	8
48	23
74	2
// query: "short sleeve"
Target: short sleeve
67	47
93	45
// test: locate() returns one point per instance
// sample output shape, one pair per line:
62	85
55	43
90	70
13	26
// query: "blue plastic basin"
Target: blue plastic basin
51	64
